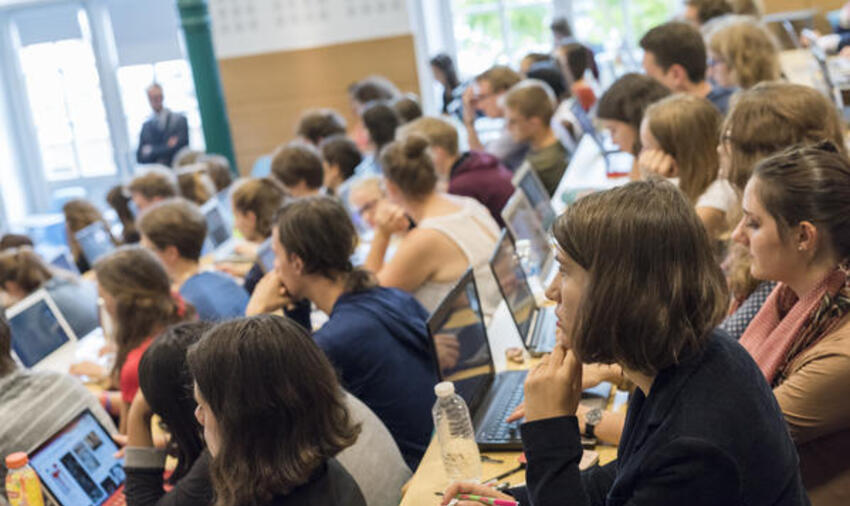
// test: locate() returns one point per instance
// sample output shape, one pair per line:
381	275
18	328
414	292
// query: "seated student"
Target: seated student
674	54
682	443
742	53
195	184
700	12
564	126
375	336
365	197
452	233
529	107
407	108
679	138
363	92
153	185
165	389
578	59
795	226
22	272
318	124
381	122
218	169
471	174
34	405
137	298
9	241
485	95
621	110
298	167
174	230
444	72
79	214
120	202
340	158
274	429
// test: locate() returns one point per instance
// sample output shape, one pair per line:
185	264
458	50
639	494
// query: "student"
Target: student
367	194
679	138
340	158
684	442
218	169
195	184
174	230
137	297
120	203
741	53
35	405
452	233
375	336
9	241
675	55
577	59
407	108
700	12
795	227
22	272
363	92
381	121
443	69
529	107
152	186
298	167
79	214
319	124
470	174
485	94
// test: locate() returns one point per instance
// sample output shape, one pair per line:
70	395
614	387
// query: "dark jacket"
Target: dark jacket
483	177
330	484
710	433
378	341
156	137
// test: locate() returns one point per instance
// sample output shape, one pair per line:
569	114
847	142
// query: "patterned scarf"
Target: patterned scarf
787	325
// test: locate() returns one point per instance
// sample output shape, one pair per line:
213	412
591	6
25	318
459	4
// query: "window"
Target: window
610	23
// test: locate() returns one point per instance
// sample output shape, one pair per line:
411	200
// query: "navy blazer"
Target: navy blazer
710	433
156	137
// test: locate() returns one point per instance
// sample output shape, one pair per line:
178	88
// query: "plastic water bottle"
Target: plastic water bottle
23	487
453	424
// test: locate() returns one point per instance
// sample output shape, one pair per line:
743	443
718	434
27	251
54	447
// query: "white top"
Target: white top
719	195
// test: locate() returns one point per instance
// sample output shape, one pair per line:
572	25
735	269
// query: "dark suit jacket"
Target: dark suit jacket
156	137
710	433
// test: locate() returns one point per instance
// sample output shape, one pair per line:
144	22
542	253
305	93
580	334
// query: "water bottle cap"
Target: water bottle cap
444	389
16	460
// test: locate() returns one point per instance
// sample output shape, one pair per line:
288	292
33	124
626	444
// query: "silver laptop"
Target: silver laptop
219	242
531	239
95	241
529	182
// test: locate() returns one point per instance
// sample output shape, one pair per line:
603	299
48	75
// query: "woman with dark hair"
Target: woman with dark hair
444	72
120	202
624	297
622	106
796	227
273	415
381	122
374	336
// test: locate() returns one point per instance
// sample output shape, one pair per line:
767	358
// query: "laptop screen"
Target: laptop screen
525	226
64	261
95	241
77	465
218	232
513	284
265	256
460	341
538	197
36	333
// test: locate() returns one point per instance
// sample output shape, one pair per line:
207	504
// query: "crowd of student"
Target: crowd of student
716	284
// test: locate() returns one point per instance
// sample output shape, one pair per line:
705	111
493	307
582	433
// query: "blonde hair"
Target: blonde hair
532	98
195	183
687	128
500	77
438	131
748	49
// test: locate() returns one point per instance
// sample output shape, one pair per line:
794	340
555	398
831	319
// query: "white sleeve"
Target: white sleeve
719	195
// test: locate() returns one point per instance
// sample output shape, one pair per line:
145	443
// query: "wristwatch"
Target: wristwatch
591	420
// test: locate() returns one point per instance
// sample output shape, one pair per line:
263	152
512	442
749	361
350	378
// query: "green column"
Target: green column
195	19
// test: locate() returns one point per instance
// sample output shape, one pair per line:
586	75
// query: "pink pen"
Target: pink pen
487	500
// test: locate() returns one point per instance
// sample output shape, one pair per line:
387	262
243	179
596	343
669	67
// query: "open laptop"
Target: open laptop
42	338
616	161
77	465
529	182
525	225
459	322
265	256
95	241
535	324
219	242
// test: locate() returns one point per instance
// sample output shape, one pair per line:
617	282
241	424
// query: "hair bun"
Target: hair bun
414	146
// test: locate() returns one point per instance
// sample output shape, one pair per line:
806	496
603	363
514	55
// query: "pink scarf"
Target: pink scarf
775	335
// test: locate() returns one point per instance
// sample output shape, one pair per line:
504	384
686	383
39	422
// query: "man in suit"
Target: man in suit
164	134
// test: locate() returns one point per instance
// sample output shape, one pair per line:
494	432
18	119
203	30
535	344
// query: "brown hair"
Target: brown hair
120	202
319	231
532	98
808	183
7	363
748	49
687	128
438	131
142	291
500	77
317	124
628	98
677	43
710	9
155	182
195	184
279	408
79	214
218	168
25	268
648	304
175	222
372	88
341	151
772	116
263	197
186	156
9	241
406	163
407	107
296	162
381	121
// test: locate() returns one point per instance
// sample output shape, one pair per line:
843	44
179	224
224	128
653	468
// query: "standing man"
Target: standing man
164	134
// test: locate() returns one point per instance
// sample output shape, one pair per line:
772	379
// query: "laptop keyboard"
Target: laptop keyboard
498	429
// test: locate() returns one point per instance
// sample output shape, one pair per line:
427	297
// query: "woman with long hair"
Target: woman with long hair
79	214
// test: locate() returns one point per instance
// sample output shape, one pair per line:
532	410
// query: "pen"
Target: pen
486	500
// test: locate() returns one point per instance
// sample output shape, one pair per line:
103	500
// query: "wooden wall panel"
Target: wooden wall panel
772	6
266	93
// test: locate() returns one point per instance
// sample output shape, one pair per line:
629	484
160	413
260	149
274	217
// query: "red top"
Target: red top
130	371
585	96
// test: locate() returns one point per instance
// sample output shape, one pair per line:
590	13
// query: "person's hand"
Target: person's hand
172	141
657	162
390	218
468	100
121	441
95	372
553	388
465	487
269	295
448	350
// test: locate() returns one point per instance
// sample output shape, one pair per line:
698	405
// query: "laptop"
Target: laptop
529	182
531	238
95	241
42	338
265	256
77	465
616	161
491	397
223	199
536	325
219	242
